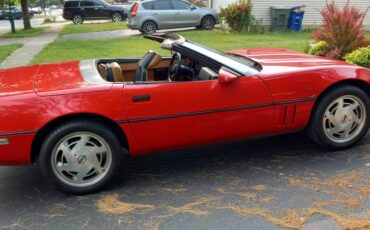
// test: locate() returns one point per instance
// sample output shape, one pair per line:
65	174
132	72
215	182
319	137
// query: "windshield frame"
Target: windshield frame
223	59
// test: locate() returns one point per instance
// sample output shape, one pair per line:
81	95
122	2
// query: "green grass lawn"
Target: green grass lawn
93	27
64	50
24	33
5	51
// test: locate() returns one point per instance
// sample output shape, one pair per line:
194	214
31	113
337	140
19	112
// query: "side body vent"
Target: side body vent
285	115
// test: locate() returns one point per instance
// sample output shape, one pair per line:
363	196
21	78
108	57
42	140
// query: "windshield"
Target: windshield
242	65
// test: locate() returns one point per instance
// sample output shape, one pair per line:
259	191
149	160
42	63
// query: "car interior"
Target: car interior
152	68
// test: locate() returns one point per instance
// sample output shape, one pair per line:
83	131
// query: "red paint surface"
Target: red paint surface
179	114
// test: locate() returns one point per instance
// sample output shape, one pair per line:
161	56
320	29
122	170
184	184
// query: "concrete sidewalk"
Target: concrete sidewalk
102	34
31	47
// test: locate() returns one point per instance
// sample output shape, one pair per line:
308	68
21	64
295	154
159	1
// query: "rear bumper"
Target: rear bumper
132	23
15	148
133	27
67	16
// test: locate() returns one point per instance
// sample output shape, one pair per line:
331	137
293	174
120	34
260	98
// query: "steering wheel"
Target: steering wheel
174	68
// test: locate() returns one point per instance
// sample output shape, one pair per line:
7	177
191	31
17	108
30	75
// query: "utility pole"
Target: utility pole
11	18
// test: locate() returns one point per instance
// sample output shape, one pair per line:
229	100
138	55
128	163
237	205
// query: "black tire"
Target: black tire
77	19
79	157
117	17
322	111
208	22
149	27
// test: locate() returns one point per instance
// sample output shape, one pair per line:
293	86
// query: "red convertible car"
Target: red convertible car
77	119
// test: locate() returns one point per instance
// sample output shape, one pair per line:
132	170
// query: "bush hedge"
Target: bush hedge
359	57
238	15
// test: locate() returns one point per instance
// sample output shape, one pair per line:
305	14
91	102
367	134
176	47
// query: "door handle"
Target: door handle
141	98
95	8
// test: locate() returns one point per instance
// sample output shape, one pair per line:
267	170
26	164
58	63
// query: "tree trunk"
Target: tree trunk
26	16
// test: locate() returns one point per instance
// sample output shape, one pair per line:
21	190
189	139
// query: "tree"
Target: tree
26	16
1	4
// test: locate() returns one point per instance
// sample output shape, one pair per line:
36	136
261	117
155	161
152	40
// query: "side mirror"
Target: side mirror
192	7
225	76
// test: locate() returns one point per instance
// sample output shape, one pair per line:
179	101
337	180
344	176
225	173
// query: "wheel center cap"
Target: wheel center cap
81	159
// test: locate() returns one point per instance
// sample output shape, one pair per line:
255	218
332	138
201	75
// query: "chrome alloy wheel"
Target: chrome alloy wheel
208	22
116	17
344	119
81	159
77	19
149	27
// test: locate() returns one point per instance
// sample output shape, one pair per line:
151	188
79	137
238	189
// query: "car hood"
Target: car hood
274	60
53	79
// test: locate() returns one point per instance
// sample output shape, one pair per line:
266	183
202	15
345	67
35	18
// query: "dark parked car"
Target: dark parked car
78	11
17	13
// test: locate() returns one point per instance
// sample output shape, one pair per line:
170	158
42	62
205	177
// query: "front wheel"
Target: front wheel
208	22
80	157
116	17
341	118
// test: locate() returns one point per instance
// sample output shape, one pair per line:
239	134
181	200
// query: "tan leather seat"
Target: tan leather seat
111	72
153	64
155	61
117	72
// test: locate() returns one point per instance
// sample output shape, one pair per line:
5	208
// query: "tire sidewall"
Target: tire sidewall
316	124
80	126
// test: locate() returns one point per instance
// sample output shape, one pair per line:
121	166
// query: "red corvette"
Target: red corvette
77	119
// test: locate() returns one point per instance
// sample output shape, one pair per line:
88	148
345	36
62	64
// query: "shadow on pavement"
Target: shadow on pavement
275	182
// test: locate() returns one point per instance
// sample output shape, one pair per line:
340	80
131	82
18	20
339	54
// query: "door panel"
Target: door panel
173	115
164	14
185	16
94	9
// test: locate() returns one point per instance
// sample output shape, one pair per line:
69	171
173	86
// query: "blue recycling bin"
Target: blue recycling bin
296	18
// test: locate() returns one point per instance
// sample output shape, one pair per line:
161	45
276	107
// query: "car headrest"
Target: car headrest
155	61
111	72
102	71
116	71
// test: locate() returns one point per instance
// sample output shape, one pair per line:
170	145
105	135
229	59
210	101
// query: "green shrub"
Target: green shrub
237	15
256	26
359	57
321	48
342	29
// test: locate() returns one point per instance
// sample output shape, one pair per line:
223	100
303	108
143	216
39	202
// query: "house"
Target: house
261	8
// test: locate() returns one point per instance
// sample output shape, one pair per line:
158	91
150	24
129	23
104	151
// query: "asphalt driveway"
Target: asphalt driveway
271	183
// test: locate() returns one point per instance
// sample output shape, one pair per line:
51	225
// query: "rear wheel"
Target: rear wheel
117	17
78	19
80	156
149	27
208	22
341	118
